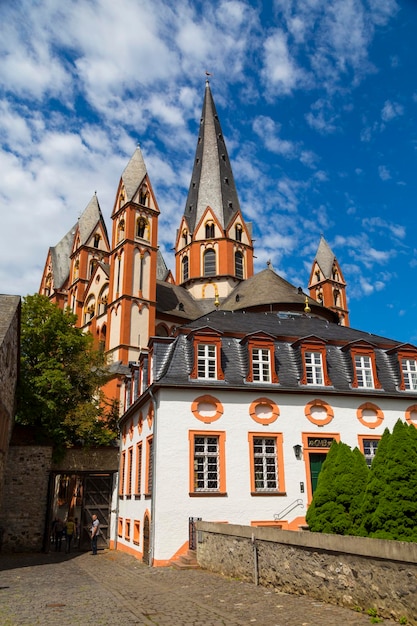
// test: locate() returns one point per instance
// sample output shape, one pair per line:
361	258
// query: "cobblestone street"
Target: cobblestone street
114	588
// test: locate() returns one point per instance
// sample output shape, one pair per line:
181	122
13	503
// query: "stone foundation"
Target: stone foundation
355	572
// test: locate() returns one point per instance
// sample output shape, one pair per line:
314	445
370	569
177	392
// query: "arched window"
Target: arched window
238	264
93	264
336	297
143	196
121	230
209	262
96	240
335	273
141	227
238	232
185	237
210	230
185	268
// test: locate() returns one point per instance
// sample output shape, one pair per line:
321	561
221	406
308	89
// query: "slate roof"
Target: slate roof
173	358
60	257
267	289
133	174
212	181
175	300
325	258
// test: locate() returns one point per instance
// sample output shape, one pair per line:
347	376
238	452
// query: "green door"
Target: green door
316	461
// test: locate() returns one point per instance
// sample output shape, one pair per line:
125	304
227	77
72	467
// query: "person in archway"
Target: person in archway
95	531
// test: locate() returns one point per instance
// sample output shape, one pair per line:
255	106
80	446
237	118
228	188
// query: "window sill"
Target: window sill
208	494
268	493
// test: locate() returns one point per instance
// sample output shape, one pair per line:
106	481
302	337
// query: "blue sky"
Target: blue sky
318	105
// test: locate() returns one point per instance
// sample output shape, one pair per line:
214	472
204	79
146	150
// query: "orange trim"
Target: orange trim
150	415
406	354
409	415
140	422
133	551
322	405
306	454
222	461
262	343
127	529
120	527
208	339
131	428
369	406
314	346
261	523
217	410
129	471
136	532
364	351
362	438
148	477
138	479
267	404
280	463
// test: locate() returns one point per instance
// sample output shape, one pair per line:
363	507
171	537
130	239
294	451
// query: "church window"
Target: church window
210	230
185	237
238	232
363	369
314	368
319	295
261	365
143	196
76	269
97	241
265	464
336	297
209	262
335	273
409	373
185	268
317	274
121	230
141	225
239	264
207	462
206	361
93	264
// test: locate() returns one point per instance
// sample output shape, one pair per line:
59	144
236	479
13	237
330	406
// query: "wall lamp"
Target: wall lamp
298	451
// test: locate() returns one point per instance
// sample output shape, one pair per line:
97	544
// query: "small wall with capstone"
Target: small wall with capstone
22	520
355	572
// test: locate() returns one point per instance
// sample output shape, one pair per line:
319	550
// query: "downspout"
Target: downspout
116	510
152	529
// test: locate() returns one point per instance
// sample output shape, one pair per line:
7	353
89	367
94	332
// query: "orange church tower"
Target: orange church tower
131	303
213	249
327	284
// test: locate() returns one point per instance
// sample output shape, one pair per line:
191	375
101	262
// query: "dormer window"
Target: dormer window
210	230
409	373
261	358
207	355
363	370
314	361
314	368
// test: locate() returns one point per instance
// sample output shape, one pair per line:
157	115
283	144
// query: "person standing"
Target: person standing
95	531
69	533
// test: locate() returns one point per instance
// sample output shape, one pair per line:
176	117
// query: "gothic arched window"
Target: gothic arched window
185	268
238	264
238	232
210	230
209	262
141	227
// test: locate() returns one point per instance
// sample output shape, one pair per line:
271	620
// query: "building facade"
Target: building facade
232	385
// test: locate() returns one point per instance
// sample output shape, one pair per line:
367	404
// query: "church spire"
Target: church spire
212	183
327	284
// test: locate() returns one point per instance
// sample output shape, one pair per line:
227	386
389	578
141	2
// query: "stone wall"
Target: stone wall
355	572
24	507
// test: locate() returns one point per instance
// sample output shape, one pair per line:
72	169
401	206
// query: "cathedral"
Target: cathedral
232	384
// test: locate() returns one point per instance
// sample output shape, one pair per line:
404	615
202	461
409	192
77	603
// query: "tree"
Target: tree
61	375
389	509
339	491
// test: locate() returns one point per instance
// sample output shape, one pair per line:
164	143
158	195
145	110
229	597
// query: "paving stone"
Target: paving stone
115	588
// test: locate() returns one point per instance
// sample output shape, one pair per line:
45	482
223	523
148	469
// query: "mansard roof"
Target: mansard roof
212	182
173	361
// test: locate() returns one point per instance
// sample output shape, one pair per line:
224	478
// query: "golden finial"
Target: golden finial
216	298
306	308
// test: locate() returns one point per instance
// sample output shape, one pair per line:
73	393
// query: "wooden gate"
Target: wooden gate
97	501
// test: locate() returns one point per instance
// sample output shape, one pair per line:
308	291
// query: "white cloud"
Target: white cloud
383	172
391	110
281	73
268	131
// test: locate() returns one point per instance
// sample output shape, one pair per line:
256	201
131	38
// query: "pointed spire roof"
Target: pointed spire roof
212	182
89	219
325	258
60	258
133	174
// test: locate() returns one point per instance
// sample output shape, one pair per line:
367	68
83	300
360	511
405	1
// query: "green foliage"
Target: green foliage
337	499
389	507
60	378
